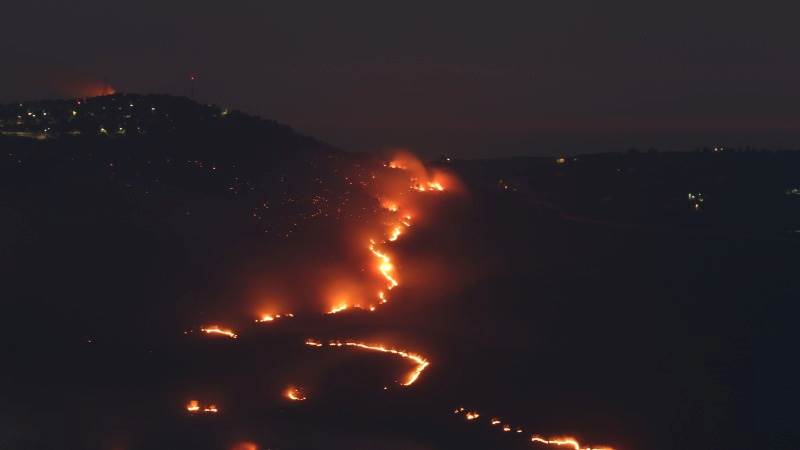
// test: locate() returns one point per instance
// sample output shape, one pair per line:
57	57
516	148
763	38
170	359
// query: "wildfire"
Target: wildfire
339	308
427	186
385	265
214	329
395	233
494	421
271	318
294	394
565	441
420	180
420	361
194	407
390	205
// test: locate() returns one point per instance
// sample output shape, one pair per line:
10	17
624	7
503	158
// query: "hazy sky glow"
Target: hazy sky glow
483	79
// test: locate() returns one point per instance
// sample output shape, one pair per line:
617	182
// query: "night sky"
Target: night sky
484	79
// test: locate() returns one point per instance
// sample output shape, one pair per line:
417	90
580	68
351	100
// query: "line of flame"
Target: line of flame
421	362
214	329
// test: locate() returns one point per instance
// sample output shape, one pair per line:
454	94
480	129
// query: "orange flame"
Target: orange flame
313	343
194	407
390	205
246	445
562	441
294	394
214	329
271	318
565	441
421	362
339	308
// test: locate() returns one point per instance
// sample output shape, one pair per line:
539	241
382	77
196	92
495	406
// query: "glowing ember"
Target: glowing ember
506	428
294	394
193	406
420	361
214	329
246	445
495	421
472	415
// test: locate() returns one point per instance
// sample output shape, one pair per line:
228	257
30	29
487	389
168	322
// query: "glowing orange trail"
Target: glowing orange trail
294	394
214	329
339	308
566	441
271	318
412	377
561	441
386	267
395	233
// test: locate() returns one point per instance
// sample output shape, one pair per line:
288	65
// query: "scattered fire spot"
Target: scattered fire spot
507	428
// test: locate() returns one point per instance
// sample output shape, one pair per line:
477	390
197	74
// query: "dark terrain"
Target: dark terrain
592	297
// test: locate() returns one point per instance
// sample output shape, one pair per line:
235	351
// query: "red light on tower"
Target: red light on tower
192	80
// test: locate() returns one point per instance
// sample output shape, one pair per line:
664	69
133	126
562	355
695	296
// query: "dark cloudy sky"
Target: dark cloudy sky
470	78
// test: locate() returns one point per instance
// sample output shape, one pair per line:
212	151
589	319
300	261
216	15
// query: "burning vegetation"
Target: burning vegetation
397	200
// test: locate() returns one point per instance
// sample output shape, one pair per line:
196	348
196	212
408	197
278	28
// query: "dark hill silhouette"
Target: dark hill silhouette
599	300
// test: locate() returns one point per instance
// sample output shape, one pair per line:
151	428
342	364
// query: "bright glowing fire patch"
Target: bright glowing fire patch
270	318
294	394
214	329
193	407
